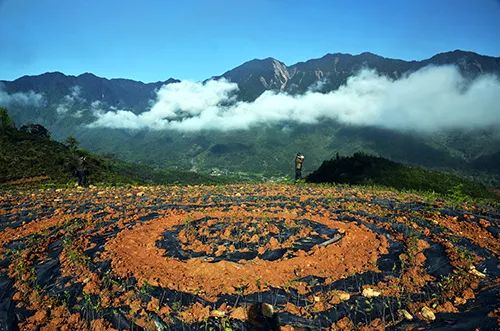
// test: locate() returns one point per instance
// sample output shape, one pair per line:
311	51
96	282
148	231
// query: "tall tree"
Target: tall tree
5	120
72	143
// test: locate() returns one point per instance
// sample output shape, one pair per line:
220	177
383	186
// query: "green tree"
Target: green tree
5	120
72	143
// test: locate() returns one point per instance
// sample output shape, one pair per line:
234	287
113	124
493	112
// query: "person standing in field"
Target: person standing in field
299	161
81	171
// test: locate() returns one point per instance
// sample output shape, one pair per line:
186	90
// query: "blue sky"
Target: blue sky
155	40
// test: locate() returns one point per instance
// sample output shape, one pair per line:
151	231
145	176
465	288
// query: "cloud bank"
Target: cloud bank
433	98
20	98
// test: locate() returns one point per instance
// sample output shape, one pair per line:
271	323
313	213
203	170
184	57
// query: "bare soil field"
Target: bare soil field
200	257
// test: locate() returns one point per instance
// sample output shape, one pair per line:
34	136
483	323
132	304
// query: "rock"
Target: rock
475	272
404	313
428	314
370	293
140	194
344	296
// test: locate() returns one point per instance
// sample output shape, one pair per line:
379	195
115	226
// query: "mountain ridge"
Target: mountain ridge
334	69
441	55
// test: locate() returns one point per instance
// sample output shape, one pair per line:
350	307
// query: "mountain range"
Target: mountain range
256	76
66	104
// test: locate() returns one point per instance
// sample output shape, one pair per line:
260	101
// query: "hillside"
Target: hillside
29	154
371	170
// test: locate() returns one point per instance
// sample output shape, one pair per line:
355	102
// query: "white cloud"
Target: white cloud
69	100
430	99
74	94
62	109
25	99
318	86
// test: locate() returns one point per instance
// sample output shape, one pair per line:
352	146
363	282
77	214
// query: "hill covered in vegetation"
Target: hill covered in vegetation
372	170
29	155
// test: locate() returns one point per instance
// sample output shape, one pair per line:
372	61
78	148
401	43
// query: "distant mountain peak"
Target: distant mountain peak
257	75
89	75
370	55
267	59
260	64
50	74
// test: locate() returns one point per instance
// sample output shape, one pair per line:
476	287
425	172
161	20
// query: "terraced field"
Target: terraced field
203	257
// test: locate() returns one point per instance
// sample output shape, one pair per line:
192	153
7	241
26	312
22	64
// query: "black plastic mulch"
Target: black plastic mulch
244	250
358	308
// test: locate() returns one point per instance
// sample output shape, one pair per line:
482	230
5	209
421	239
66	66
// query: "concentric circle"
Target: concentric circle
247	238
185	264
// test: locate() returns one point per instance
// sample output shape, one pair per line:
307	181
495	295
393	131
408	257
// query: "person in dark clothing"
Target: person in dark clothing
299	160
81	171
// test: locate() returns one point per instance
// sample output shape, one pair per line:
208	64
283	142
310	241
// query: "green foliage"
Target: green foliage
27	155
36	129
5	120
457	194
71	143
371	170
268	151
